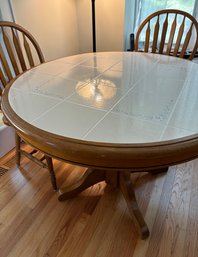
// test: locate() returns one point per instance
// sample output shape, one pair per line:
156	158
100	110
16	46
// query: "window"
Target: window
150	6
137	10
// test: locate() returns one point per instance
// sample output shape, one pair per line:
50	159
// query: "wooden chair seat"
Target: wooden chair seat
19	51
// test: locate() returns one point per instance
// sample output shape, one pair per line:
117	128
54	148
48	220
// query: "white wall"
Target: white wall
52	22
109	24
84	25
64	27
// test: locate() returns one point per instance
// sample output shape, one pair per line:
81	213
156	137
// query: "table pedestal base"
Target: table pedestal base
120	179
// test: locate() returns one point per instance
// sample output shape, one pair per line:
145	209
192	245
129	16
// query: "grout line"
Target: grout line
171	114
66	99
126	93
48	110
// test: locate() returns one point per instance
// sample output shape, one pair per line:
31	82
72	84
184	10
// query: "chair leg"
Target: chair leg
18	146
51	171
48	159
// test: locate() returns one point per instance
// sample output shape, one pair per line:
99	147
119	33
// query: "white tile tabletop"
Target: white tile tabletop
111	97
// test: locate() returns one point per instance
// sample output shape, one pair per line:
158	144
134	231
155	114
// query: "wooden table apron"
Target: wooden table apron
112	163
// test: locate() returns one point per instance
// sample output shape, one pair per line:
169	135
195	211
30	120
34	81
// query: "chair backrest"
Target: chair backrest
169	32
19	51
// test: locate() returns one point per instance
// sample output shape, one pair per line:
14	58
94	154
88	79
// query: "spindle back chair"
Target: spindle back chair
19	51
169	36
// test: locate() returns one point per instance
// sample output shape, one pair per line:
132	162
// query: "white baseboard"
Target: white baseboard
7	139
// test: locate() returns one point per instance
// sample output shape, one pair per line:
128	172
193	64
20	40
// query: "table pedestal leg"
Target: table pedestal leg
120	179
127	190
90	178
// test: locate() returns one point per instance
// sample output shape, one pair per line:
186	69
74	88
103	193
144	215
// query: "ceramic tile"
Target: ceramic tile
112	55
165	71
69	120
58	88
143	98
172	61
76	59
31	81
81	73
191	76
120	80
97	94
103	63
29	106
173	67
14	92
117	67
116	128
53	68
195	60
135	67
171	133
151	99
184	115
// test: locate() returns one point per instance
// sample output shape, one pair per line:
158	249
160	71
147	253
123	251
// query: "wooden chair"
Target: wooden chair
19	52
169	32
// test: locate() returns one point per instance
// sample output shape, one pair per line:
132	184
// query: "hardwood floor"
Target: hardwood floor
33	223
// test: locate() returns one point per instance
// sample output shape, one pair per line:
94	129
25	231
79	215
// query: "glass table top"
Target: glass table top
111	97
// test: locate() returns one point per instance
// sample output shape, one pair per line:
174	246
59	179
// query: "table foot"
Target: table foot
90	178
120	179
127	190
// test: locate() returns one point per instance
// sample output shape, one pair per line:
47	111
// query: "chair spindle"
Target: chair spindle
163	37
28	52
172	33
10	52
146	46
179	37
156	32
5	65
2	77
19	51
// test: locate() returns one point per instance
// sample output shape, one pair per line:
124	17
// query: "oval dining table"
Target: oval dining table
112	112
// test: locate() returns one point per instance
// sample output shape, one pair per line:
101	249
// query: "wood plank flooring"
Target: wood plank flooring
33	223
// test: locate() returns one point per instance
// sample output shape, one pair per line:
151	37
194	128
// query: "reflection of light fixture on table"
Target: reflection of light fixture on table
97	91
